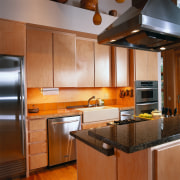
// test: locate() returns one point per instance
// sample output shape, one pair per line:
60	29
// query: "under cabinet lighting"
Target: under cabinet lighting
50	91
113	40
135	31
162	48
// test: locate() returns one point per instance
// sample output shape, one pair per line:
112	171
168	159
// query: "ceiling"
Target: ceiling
106	5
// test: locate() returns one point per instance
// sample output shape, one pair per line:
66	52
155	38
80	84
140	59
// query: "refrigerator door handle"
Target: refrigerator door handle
22	109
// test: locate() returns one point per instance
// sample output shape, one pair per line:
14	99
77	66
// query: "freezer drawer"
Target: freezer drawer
61	144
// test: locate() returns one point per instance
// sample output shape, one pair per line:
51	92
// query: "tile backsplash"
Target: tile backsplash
74	97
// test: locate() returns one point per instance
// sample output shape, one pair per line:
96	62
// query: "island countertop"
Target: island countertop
135	136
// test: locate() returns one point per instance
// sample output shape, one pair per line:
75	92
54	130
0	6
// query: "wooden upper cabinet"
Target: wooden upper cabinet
64	60
122	67
12	38
146	65
85	62
102	66
39	58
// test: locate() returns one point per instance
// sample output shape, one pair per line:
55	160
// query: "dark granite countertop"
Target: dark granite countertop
135	136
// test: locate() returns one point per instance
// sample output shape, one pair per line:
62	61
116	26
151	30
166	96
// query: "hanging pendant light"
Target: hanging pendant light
120	1
97	17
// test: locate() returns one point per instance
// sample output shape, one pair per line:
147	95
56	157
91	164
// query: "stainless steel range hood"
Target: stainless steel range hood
152	25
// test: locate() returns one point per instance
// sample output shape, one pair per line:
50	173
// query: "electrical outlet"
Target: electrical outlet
105	96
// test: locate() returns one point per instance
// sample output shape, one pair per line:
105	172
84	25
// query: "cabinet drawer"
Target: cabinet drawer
37	124
38	161
38	136
96	124
36	148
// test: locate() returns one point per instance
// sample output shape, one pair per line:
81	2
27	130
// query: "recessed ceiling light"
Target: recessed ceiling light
112	40
162	48
135	31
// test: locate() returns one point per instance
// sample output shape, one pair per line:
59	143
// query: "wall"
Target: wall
53	14
106	5
34	95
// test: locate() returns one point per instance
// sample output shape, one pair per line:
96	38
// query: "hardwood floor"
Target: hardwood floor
62	172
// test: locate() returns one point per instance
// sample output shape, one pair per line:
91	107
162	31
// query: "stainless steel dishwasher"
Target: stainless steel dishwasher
61	145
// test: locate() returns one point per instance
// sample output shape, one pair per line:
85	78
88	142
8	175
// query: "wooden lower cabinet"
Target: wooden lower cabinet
167	163
35	148
37	143
132	166
93	165
38	136
38	160
96	124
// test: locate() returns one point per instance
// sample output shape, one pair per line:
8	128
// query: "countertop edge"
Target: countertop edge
107	152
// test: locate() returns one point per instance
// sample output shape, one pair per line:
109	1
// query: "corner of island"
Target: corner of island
136	151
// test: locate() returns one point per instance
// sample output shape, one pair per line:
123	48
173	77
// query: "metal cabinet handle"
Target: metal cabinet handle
146	104
64	122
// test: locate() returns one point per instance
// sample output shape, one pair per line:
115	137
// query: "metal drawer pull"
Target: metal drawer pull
64	122
125	114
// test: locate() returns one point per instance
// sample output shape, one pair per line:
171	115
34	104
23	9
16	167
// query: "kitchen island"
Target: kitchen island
147	150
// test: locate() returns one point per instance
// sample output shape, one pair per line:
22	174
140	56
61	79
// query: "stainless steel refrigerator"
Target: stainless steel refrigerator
12	117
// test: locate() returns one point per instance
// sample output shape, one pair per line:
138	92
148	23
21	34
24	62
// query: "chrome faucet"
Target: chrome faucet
93	97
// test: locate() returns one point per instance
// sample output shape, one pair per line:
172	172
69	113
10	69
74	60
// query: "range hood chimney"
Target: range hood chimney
152	25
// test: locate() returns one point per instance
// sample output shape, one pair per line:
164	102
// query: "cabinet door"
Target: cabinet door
39	58
85	63
64	60
122	67
167	163
102	66
12	38
146	65
152	66
141	65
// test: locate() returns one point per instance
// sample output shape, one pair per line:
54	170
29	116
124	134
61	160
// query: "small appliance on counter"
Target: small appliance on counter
156	114
99	102
33	110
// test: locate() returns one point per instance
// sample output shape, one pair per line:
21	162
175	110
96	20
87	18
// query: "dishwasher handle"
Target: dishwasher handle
126	114
54	123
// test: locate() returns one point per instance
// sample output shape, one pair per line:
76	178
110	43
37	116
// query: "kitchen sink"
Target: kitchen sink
102	113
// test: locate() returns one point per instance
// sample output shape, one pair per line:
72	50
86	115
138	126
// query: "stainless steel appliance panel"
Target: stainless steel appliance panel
146	107
62	147
146	84
146	95
12	117
126	114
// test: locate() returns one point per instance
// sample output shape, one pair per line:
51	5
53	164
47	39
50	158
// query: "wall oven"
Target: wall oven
146	96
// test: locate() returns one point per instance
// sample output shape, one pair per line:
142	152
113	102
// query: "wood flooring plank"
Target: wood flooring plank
62	172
